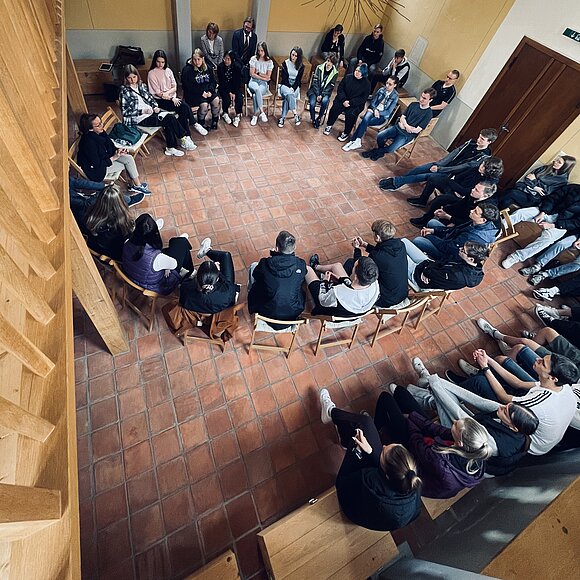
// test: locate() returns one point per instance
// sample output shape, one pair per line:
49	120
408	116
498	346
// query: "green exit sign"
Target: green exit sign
572	34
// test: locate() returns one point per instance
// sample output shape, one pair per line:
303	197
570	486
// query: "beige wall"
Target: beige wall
228	15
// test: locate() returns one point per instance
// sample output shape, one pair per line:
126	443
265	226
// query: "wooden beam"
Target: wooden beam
92	293
23	349
19	420
75	95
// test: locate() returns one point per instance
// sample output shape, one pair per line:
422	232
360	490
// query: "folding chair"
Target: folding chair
337	323
262	324
406	151
385	314
123	299
268	99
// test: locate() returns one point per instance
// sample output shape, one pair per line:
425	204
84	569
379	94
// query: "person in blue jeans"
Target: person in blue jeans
415	119
320	91
536	272
380	110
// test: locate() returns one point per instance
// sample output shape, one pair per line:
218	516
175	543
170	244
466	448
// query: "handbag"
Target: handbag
124	134
128	55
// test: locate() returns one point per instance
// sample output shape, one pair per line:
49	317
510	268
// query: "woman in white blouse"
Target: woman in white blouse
261	67
212	45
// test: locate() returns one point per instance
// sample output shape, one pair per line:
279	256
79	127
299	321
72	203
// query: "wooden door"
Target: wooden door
534	98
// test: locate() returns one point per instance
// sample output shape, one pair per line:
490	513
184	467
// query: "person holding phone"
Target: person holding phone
377	485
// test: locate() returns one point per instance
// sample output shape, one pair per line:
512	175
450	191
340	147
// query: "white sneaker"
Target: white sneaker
546	293
346	146
204	248
263	117
297	120
487	327
200	129
546	314
509	261
184	235
227	118
420	367
188	144
391	388
160	223
236	121
327	406
467	368
173	151
356	144
254	120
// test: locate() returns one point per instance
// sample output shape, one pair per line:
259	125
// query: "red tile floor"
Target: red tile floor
185	451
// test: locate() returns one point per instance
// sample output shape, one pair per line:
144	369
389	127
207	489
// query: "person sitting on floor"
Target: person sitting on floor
439	241
275	283
538	183
547	393
320	91
445	210
147	263
557	214
416	118
390	256
341	294
213	287
509	426
350	99
377	485
466	271
379	112
470	154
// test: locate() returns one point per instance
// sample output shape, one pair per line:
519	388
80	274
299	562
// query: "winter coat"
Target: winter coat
318	88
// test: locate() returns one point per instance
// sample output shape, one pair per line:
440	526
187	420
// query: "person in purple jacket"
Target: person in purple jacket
449	460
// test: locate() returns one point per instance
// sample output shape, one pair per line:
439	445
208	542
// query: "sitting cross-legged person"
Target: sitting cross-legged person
275	283
557	214
466	271
339	294
546	390
509	426
451	210
377	485
380	110
439	241
416	118
470	154
390	256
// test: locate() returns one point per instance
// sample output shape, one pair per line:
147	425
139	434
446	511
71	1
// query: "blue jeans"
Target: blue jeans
416	175
369	120
289	97
323	104
426	245
258	88
399	138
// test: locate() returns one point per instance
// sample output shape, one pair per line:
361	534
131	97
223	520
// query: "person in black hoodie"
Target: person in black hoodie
213	288
377	485
275	284
446	274
229	83
371	50
350	99
334	43
390	256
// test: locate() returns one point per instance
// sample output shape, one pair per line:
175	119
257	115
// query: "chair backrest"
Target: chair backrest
128	281
288	324
72	158
109	119
430	126
508	230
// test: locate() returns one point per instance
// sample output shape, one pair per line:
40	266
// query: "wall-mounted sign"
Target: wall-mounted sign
572	34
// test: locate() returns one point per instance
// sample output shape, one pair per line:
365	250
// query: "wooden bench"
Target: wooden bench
435	507
92	80
224	567
318	541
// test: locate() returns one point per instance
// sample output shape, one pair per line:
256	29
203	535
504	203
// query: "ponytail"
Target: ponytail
401	470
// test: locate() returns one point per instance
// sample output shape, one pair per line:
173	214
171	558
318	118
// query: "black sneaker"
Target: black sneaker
455	377
367	154
136	199
376	156
316	124
387	184
418	222
343	136
416	202
314	261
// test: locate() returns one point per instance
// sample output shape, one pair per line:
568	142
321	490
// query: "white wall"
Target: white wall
539	20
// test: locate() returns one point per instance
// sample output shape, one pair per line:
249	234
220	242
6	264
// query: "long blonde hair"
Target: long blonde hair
474	445
197	52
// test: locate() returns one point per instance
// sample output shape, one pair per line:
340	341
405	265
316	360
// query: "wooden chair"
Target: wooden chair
435	294
337	323
125	283
110	119
387	122
507	231
268	100
385	314
224	567
277	97
209	324
406	151
105	263
435	507
262	324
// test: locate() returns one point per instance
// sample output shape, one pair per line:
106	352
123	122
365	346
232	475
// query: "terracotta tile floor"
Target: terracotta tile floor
185	451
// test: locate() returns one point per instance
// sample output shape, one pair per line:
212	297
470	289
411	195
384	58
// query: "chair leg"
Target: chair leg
422	314
354	333
322	329
291	343
152	313
253	336
377	330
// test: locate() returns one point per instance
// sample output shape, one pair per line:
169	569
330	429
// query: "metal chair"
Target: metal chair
262	324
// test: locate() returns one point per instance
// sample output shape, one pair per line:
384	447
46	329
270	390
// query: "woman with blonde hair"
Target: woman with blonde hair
200	90
378	486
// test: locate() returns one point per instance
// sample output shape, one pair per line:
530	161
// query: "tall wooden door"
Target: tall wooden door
534	98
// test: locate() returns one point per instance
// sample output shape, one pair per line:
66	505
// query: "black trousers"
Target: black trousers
227	101
350	114
180	250
172	128
226	264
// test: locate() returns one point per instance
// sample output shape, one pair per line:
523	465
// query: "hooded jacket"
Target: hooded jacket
192	298
442	476
449	240
277	289
195	83
323	88
367	500
448	274
401	71
566	203
371	49
391	258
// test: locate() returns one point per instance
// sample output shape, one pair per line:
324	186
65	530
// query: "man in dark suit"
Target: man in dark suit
244	43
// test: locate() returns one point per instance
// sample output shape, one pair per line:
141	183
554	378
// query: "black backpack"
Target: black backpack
128	55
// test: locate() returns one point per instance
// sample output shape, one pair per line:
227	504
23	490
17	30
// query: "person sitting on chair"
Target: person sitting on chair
334	43
416	118
320	91
398	67
370	50
290	82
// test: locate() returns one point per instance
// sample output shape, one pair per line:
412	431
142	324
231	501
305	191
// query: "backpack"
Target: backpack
128	55
125	135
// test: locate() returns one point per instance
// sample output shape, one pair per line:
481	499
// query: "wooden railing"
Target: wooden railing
39	522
